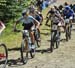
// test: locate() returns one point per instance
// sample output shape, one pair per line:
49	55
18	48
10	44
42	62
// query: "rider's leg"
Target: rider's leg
32	37
47	21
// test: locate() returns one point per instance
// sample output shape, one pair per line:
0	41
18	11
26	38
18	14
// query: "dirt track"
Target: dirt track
63	57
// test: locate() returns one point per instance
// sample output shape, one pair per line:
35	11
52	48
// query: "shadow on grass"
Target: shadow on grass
48	25
45	33
14	49
45	29
13	62
61	40
44	51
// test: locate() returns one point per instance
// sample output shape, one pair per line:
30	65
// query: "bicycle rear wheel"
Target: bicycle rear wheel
52	46
24	54
37	36
3	55
70	33
57	44
67	34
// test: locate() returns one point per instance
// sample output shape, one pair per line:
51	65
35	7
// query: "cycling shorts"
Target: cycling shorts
28	26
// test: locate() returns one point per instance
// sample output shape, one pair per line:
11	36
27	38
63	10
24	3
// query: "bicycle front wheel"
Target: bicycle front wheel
32	53
24	53
3	55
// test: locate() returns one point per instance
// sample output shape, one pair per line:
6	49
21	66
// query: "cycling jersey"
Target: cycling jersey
69	13
38	18
67	7
54	22
28	20
27	23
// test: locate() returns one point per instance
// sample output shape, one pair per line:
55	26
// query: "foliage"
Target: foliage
9	9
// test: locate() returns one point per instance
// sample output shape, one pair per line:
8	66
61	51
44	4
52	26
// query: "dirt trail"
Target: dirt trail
63	57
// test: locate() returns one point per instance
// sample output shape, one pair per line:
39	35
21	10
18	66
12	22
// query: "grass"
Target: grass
13	40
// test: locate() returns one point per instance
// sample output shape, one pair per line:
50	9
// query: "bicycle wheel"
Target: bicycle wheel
37	36
58	40
52	41
3	55
57	44
24	54
69	32
32	53
52	46
32	50
67	35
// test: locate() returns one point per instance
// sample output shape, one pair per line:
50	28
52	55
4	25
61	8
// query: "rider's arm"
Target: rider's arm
37	22
17	22
2	27
61	18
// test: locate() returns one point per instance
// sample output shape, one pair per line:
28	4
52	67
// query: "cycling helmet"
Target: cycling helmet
52	11
24	12
65	3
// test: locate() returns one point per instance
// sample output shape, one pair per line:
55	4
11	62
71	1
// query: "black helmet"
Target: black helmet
52	11
24	12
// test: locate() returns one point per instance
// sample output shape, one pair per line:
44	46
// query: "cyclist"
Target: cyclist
48	16
66	5
74	8
68	13
61	9
2	27
56	18
38	16
28	23
39	5
74	12
56	11
55	30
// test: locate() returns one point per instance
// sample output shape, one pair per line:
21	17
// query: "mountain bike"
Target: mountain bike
55	37
26	46
68	29
3	55
37	37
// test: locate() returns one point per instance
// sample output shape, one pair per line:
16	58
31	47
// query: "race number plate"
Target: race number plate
54	27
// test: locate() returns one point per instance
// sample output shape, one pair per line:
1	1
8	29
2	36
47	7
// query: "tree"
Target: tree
9	8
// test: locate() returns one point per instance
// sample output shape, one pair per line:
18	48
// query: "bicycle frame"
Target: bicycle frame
28	46
54	36
27	38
